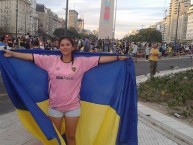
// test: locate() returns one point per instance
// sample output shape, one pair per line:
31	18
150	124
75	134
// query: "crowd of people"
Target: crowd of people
135	49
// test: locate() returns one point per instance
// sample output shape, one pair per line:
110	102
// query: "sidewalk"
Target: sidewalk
13	133
154	128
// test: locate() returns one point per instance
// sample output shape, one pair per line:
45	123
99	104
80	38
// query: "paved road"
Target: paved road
142	67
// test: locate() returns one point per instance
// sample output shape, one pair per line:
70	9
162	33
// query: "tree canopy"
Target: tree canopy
71	32
147	35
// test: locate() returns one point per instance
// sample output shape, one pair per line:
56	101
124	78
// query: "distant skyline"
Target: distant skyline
130	14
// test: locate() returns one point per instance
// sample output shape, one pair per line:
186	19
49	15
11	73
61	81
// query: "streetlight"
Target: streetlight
66	22
164	34
177	24
16	17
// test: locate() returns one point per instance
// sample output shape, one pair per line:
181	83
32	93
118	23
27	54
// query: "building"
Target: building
182	27
106	30
51	23
167	37
8	16
43	18
178	19
73	19
80	25
48	20
189	34
33	19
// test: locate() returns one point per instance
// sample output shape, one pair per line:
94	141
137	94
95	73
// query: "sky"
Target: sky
131	14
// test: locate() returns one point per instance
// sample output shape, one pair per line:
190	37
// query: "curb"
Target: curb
167	130
144	78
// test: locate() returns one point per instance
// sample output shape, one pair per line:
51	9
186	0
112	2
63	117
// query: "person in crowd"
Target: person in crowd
10	42
134	51
27	41
36	45
86	45
42	44
3	44
147	50
22	42
56	45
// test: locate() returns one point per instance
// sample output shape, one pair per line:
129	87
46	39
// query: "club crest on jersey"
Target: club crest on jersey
73	69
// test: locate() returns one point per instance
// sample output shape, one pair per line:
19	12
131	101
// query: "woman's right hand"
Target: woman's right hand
8	53
24	56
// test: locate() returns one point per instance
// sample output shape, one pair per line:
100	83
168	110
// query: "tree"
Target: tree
149	35
71	32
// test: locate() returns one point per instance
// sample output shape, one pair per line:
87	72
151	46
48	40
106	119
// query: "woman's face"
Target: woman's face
66	47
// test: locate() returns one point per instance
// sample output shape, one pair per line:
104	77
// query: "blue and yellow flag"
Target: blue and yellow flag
108	101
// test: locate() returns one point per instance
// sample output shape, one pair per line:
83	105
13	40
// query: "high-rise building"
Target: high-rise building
80	25
166	37
48	20
106	19
43	18
189	35
73	19
33	19
178	19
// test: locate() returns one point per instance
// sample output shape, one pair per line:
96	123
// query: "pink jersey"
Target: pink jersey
65	79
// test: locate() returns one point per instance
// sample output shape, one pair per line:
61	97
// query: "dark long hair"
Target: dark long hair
67	38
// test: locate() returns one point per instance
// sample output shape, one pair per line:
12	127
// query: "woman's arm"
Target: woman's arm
24	56
105	59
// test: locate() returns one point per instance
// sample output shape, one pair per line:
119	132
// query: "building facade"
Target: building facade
178	19
33	19
80	25
73	19
48	20
189	35
8	16
43	19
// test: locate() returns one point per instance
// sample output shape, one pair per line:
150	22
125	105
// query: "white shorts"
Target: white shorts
56	113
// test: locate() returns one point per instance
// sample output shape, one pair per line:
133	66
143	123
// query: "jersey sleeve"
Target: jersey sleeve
89	62
43	61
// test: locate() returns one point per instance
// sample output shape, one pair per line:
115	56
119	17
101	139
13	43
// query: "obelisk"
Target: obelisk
106	19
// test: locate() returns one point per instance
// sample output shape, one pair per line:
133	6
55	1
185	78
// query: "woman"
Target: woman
65	75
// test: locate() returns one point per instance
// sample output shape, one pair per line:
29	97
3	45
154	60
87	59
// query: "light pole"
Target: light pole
16	17
25	24
164	36
115	19
66	22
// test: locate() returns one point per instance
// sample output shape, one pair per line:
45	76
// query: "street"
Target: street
142	68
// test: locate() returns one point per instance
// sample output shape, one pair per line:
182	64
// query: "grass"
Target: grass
176	90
